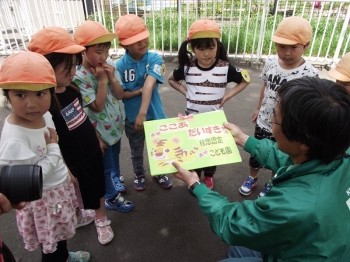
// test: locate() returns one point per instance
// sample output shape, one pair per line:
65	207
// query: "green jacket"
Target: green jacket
304	217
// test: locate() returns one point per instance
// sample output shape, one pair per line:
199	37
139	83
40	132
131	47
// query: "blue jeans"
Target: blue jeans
242	254
111	168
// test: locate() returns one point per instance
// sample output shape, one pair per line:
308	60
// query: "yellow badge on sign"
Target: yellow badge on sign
163	69
245	75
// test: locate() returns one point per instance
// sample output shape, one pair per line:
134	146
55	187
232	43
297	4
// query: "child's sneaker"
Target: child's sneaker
79	256
120	204
85	217
266	189
163	181
248	185
104	231
209	182
122	179
118	185
139	182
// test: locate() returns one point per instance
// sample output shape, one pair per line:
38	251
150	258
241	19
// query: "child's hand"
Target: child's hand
138	125
255	116
51	137
99	72
223	100
109	69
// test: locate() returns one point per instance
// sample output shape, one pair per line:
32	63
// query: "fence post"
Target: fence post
341	37
262	29
179	24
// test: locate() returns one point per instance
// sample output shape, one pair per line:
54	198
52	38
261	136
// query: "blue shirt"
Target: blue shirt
133	74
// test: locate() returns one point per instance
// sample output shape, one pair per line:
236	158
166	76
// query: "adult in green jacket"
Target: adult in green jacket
305	215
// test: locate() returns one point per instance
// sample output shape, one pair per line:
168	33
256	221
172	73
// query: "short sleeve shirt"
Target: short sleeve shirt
274	75
133	74
109	122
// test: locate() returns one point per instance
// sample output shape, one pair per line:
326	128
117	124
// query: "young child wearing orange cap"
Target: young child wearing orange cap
292	38
78	141
141	71
28	137
341	73
99	83
203	92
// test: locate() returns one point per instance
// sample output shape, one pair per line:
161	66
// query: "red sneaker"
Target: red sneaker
209	182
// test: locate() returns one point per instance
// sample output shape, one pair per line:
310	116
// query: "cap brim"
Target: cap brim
283	41
135	38
72	49
338	76
102	39
27	86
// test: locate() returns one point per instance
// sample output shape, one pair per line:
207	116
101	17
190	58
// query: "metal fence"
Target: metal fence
247	25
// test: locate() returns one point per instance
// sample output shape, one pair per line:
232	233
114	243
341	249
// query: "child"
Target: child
141	72
99	84
206	76
292	38
28	137
73	126
341	73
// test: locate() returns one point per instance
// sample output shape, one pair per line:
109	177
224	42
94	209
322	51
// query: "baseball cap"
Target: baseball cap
130	29
92	33
27	71
204	28
342	70
293	30
53	40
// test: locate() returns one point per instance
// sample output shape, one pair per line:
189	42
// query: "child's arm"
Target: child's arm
118	91
234	91
176	84
256	112
101	92
147	90
130	94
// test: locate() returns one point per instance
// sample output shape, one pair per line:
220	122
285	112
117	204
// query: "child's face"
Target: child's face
64	74
346	85
95	55
291	54
206	56
30	106
138	49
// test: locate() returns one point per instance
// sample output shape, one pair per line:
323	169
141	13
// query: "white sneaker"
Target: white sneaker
86	216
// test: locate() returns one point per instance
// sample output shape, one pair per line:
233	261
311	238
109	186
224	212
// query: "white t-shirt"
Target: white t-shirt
21	146
274	75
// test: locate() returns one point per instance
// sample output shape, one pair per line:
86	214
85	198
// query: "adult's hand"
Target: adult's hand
6	206
189	177
240	137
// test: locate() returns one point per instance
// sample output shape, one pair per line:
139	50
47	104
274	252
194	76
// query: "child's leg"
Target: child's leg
60	255
137	143
115	172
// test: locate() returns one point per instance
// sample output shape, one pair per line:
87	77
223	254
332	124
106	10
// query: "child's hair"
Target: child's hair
100	45
316	112
56	59
91	33
293	30
202	34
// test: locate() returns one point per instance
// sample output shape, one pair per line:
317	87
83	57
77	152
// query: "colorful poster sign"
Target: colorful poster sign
193	141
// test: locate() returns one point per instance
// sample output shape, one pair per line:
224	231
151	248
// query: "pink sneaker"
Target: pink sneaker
85	217
104	231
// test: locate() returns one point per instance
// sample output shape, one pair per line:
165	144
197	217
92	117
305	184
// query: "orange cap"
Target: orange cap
27	71
342	71
204	28
130	29
53	40
92	33
293	30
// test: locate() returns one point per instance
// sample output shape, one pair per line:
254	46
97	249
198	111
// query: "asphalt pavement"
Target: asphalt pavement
166	225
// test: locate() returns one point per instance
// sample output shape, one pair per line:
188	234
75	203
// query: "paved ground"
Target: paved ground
166	225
